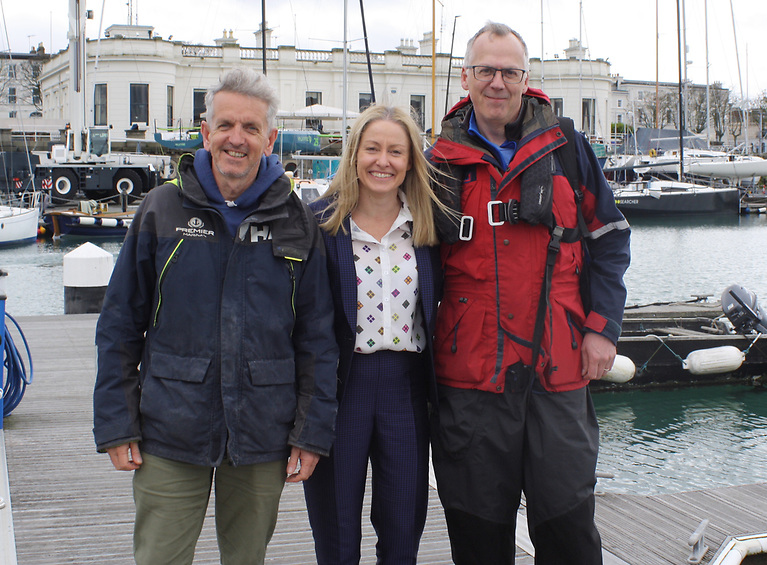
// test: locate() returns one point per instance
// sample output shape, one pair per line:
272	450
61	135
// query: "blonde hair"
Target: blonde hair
344	190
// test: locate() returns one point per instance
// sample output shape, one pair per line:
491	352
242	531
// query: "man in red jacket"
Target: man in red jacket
518	337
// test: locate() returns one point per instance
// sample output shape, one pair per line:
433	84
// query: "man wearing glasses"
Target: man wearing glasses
519	337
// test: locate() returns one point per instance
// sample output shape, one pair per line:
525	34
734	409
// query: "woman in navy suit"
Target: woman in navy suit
385	274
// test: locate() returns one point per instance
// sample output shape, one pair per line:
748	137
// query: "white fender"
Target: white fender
622	371
714	360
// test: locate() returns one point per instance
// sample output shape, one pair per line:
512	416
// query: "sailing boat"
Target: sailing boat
657	196
19	220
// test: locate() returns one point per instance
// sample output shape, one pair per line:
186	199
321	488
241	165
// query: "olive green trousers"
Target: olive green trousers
172	498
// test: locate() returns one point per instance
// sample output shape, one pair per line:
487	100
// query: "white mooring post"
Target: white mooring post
86	275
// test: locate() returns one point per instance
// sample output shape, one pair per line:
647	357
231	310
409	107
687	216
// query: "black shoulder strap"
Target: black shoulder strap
567	159
569	164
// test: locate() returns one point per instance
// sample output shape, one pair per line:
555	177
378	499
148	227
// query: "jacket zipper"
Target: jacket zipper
291	269
171	259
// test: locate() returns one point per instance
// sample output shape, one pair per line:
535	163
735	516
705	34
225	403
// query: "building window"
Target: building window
587	115
12	114
417	105
620	103
100	105
11	71
11	95
169	106
366	100
558	104
312	98
139	103
199	107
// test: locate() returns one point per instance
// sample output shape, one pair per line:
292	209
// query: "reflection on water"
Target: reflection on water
674	259
658	441
35	284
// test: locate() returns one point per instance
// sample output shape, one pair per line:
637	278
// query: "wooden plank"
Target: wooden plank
654	530
70	506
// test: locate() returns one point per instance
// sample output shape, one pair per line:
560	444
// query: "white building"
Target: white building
138	83
21	117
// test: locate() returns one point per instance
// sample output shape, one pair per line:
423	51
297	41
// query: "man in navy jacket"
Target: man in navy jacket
216	356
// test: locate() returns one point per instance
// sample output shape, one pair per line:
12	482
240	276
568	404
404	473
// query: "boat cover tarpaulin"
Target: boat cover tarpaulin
663	140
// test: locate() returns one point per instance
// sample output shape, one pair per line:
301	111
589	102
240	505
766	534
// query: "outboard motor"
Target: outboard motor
741	308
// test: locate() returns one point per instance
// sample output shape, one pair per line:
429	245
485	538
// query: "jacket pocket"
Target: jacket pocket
179	367
461	348
565	337
271	402
175	407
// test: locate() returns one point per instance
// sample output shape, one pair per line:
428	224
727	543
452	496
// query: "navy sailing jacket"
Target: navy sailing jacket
212	347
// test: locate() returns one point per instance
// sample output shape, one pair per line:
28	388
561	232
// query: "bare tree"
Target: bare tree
735	123
697	119
667	113
719	101
29	77
20	80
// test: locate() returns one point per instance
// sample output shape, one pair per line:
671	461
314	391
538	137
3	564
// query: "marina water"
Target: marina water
653	441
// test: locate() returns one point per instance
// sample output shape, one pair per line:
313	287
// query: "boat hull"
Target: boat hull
18	225
658	338
676	199
85	225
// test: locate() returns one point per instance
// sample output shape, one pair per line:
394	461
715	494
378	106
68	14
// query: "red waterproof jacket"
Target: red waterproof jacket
493	280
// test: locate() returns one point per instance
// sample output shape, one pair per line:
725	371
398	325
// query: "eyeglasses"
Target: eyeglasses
509	76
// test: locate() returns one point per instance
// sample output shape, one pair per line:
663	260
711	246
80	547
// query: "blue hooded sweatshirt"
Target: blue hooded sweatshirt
236	211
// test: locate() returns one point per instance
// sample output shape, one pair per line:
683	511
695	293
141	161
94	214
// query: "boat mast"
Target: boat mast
657	51
542	73
580	64
708	100
685	53
263	36
681	102
433	68
450	67
345	79
367	54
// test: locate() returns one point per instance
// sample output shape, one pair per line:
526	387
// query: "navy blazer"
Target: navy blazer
343	282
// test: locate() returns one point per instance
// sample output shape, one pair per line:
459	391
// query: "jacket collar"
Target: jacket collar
191	189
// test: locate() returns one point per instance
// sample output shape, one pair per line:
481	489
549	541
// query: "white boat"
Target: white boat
704	163
18	224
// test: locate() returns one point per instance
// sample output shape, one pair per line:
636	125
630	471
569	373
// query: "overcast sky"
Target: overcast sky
621	31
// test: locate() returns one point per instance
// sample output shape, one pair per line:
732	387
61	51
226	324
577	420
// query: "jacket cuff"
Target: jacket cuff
102	447
599	324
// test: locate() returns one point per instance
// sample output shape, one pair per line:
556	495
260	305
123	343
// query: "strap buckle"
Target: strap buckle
496	207
556	237
504	211
466	229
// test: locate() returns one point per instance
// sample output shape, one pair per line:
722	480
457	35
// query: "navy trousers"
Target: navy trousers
382	417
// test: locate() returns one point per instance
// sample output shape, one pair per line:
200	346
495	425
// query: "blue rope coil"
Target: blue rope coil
15	379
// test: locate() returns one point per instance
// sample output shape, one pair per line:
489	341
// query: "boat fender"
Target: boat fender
714	360
622	371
